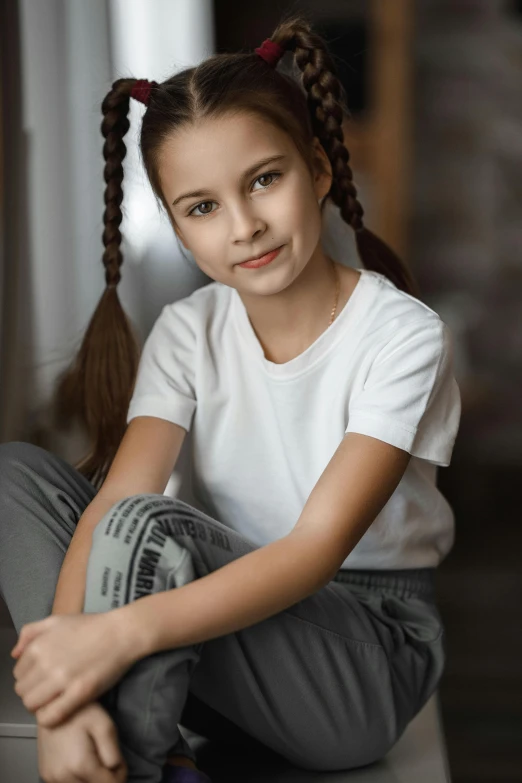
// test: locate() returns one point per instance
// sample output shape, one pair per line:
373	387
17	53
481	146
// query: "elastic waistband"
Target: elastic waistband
407	582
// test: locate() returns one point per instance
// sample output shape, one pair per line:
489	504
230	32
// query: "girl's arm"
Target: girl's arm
143	463
69	596
356	484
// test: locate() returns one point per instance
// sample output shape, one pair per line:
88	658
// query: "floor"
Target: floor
480	598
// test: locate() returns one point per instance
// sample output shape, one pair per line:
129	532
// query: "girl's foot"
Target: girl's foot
181	761
175	773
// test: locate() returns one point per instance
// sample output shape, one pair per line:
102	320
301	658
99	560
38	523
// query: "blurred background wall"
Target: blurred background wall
435	138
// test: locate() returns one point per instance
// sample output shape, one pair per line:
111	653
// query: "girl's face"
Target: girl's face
227	206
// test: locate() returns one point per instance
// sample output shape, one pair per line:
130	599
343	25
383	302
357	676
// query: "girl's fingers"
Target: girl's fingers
52	714
22	667
106	739
96	771
63	706
36	697
107	776
91	771
29	632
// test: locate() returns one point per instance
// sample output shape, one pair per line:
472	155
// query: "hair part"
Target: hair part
97	387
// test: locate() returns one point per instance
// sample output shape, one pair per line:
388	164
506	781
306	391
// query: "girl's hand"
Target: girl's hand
68	660
85	747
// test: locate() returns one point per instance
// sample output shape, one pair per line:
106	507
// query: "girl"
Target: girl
321	400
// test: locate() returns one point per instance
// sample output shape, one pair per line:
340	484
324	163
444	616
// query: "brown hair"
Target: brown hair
98	386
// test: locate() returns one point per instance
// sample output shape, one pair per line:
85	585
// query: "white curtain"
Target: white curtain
154	46
71	51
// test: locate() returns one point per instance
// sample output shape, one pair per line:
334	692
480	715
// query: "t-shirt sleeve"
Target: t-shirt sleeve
165	381
410	397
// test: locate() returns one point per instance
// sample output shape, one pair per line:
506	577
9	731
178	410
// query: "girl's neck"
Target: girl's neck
288	322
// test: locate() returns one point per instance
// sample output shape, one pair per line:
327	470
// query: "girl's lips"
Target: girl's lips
256	262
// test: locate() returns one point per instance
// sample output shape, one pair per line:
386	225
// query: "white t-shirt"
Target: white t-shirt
264	432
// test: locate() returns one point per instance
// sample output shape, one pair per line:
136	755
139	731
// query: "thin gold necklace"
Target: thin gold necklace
337	289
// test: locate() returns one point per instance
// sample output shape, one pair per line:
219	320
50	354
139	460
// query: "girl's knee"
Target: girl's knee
128	517
130	549
18	461
15	456
16	452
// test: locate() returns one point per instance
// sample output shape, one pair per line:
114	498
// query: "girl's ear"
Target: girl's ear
323	170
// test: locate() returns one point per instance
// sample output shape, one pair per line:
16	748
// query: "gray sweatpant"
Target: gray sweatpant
329	683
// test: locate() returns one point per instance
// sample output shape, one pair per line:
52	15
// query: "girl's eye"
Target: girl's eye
268	174
201	204
272	174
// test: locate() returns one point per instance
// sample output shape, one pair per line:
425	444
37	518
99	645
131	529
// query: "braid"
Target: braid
97	387
327	106
114	126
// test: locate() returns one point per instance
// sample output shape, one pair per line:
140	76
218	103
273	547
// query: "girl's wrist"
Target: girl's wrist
134	632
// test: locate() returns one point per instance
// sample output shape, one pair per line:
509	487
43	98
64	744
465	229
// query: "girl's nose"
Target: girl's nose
246	224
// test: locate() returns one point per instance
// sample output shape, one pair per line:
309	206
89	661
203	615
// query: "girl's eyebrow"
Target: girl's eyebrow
247	173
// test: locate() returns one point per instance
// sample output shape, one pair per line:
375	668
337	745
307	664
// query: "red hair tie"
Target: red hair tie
141	90
270	51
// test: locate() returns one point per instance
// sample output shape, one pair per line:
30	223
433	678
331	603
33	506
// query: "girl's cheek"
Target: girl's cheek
283	209
294	213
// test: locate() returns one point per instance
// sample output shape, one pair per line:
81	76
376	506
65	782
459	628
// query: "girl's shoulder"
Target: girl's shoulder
391	308
389	293
198	306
